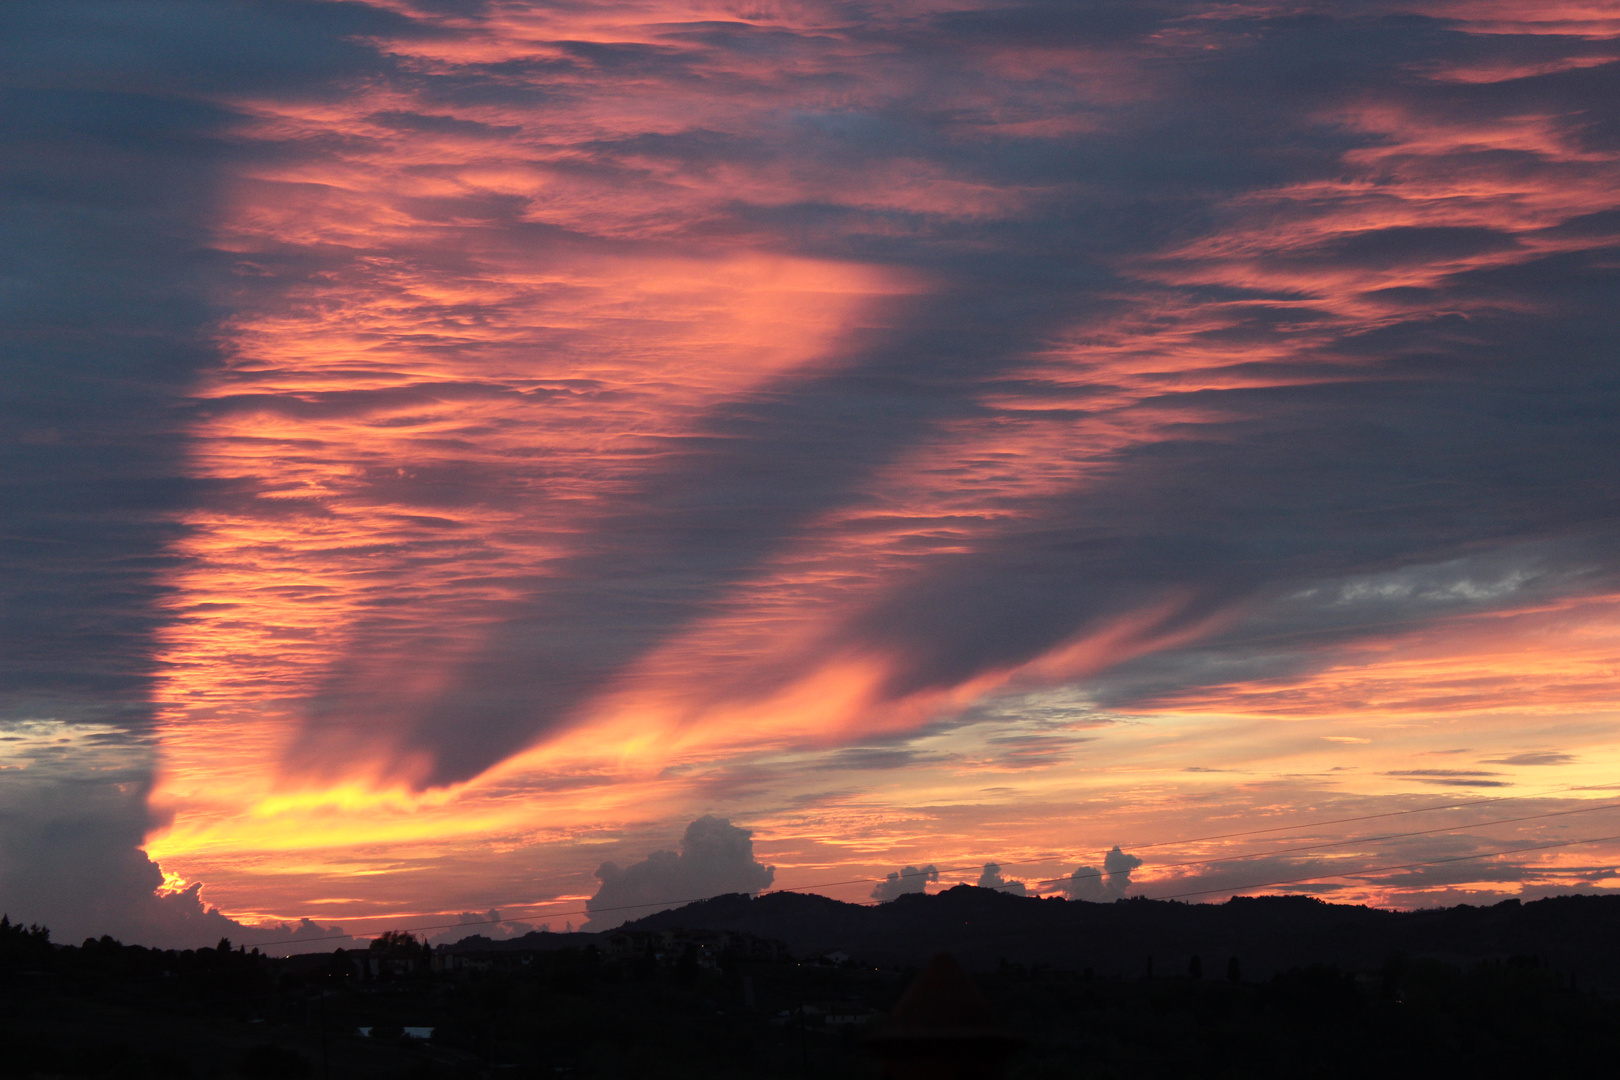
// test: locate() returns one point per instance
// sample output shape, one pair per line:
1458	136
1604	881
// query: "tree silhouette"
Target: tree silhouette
19	943
395	941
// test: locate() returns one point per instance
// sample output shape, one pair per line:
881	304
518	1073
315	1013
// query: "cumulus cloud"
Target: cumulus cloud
488	924
909	880
306	936
991	879
1109	883
716	857
72	819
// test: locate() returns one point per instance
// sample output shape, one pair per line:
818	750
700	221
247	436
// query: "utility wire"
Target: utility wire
1048	928
1097	874
1364	817
1361	840
1387	869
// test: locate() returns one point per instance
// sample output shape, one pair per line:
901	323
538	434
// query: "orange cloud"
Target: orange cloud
469	332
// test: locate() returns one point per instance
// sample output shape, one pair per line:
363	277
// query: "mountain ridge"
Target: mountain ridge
1578	935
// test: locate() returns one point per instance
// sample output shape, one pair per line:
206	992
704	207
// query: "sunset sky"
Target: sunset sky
451	445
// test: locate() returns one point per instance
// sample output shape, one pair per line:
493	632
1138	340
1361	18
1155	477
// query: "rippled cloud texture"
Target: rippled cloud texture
455	442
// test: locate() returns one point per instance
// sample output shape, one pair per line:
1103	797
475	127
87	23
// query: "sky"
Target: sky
506	463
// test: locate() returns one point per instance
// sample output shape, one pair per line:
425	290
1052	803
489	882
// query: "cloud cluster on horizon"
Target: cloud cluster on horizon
991	878
904	882
1099	886
715	858
489	924
72	817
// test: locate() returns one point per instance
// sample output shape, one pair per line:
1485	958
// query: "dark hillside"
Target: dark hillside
1576	935
1461	992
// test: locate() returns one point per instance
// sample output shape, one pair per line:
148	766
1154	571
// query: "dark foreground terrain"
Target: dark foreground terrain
660	1000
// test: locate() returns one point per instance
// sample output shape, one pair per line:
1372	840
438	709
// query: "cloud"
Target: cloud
716	857
193	47
1100	886
307	936
1118	866
908	880
991	879
880	757
1450	777
72	819
1533	757
361	379
488	924
116	128
1292	358
1441	867
1251	875
411	121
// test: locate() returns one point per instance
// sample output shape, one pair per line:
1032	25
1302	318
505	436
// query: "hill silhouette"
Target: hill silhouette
1576	935
1282	990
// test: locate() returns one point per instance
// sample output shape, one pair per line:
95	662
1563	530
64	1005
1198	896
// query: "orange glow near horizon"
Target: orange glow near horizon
458	352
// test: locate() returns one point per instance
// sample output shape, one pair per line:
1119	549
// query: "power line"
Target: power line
1098	874
1362	840
1387	869
1249	832
1017	931
934	872
1364	817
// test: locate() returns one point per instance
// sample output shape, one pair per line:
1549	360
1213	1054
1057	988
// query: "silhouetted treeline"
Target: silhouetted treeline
1578	936
666	1000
